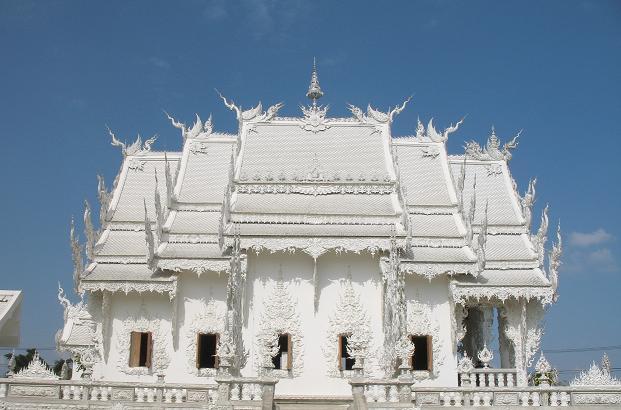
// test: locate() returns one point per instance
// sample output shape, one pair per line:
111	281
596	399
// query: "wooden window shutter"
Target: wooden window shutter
429	353
289	352
340	356
198	350
149	349
217	357
134	349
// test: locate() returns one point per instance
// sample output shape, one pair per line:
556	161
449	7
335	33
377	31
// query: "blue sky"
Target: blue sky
551	68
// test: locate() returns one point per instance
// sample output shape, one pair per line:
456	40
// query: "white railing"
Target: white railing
486	377
394	393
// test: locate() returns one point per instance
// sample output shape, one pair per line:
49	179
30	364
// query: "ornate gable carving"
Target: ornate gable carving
36	369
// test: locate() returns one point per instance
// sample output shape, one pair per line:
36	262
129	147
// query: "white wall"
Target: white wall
297	272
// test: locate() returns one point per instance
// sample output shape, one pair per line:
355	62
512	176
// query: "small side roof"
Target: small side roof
10	315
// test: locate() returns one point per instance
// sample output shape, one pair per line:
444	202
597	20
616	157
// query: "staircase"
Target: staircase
312	402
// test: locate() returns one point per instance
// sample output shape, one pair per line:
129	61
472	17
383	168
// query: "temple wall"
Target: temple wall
317	372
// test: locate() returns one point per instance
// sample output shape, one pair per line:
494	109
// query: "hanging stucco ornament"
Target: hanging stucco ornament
150	240
136	148
104	197
76	255
170	183
527	202
492	150
89	232
482	240
554	262
315	249
539	240
435	136
469	220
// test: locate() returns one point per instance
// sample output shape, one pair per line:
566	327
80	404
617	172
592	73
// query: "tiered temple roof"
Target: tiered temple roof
316	184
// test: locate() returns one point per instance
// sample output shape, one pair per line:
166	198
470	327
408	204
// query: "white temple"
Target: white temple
312	250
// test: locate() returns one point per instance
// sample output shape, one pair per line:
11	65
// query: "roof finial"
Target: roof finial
314	90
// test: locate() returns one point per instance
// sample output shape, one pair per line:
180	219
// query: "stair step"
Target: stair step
312	403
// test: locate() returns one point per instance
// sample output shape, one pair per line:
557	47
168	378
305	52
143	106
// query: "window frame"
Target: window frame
135	349
429	349
198	350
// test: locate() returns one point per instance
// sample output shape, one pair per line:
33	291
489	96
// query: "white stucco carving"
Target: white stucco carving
349	318
280	317
210	319
420	322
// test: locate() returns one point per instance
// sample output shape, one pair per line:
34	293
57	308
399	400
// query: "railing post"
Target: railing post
357	391
268	386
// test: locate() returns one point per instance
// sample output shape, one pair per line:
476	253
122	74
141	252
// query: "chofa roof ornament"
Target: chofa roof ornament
374	116
136	148
492	150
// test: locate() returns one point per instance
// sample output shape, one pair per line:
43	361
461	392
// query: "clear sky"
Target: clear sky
550	68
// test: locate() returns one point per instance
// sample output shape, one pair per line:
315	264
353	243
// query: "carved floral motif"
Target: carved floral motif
210	320
420	322
142	323
280	316
349	318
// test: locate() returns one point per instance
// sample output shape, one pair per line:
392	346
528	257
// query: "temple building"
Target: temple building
311	250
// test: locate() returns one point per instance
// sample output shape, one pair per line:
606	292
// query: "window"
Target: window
141	344
206	350
422	353
346	362
283	358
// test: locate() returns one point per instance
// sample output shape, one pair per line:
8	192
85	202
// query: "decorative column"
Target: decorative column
507	355
523	330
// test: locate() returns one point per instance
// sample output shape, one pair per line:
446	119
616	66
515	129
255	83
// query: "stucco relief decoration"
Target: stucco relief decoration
280	316
527	202
596	376
554	262
210	320
492	151
315	118
420	322
36	369
143	322
349	318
